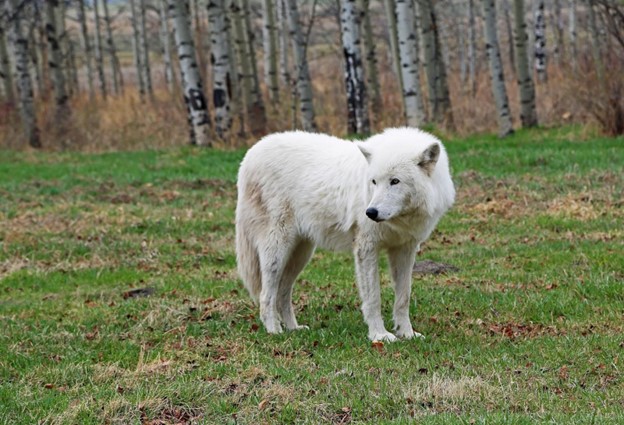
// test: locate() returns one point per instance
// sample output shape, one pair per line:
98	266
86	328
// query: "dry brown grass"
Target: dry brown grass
126	123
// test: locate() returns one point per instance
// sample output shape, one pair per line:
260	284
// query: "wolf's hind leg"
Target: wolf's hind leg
299	257
274	251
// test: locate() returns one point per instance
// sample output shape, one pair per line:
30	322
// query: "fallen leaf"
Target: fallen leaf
262	405
378	345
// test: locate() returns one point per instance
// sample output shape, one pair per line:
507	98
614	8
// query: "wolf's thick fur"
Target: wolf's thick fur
300	190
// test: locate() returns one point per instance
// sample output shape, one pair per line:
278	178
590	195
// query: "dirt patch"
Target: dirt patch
431	267
519	330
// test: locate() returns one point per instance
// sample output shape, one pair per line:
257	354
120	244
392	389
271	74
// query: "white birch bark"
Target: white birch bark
409	56
55	60
304	85
136	47
112	50
269	38
196	104
255	108
5	68
99	54
221	68
166	45
496	69
144	48
540	41
357	108
372	76
86	46
19	43
528	114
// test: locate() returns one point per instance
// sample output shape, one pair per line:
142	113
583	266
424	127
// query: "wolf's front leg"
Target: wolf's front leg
401	265
367	270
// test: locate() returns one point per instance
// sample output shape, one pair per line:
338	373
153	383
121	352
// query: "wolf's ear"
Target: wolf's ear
428	159
365	151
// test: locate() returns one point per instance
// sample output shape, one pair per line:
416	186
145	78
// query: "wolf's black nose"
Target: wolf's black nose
372	213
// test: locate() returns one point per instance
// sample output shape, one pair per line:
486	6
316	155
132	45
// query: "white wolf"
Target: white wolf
300	190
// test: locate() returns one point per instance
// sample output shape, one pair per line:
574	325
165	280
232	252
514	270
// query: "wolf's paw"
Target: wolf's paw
273	328
405	331
299	328
409	333
382	336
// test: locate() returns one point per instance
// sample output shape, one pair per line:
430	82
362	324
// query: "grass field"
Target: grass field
119	301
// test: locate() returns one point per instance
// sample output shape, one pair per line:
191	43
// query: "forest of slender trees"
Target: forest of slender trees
233	70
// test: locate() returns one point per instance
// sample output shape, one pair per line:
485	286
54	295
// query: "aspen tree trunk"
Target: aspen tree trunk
431	58
166	51
390	8
496	69
55	59
372	77
112	51
443	98
283	43
198	34
472	48
65	45
510	38
256	110
196	104
357	107
99	57
236	98
595	39
243	73
572	32
540	41
38	49
428	44
136	49
221	70
19	43
144	49
304	85
528	114
463	63
558	25
269	35
5	67
408	53
86	46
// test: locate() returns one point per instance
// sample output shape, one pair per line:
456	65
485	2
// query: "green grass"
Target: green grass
529	330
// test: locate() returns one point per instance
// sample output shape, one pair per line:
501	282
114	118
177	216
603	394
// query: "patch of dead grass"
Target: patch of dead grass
446	394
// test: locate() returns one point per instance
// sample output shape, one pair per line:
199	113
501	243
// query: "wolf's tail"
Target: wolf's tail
247	260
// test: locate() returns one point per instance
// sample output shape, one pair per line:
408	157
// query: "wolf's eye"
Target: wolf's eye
394	181
374	182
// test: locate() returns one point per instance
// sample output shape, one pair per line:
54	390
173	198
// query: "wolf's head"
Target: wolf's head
403	166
